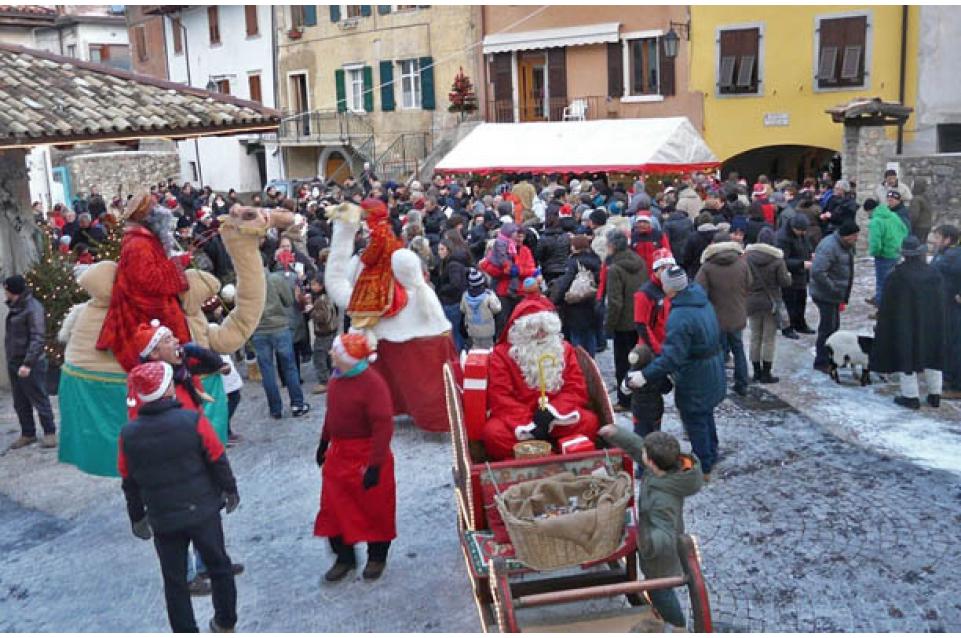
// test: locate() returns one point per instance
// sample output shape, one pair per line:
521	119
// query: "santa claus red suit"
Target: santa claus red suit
147	286
513	384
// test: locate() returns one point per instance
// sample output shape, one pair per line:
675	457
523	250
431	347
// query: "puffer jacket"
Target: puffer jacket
452	277
625	275
769	274
553	249
25	331
832	273
577	316
679	228
726	279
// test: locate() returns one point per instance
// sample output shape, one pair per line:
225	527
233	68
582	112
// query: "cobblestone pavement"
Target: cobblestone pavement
798	531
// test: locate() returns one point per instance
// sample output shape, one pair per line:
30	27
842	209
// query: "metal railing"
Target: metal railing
402	158
323	126
553	109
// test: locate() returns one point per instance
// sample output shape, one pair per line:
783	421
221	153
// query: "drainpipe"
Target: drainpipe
902	64
273	55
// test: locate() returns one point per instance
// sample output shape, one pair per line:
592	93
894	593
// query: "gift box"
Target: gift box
575	443
475	392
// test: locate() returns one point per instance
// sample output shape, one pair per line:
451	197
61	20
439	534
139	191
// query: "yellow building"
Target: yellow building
768	73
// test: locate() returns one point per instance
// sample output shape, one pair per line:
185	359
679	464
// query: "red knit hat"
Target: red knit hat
662	257
150	380
354	346
148	337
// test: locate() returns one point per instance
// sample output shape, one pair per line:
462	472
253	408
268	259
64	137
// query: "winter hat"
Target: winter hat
353	347
580	243
476	282
15	285
642	217
766	236
843	185
870	204
139	206
148	336
674	279
509	228
149	381
205	213
721	236
183	222
505	208
739	223
617	207
848	227
531	286
760	190
663	257
893	194
598	217
800	222
912	247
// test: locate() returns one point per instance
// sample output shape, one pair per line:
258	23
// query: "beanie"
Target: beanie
353	347
598	217
766	236
674	279
870	204
800	222
15	285
848	228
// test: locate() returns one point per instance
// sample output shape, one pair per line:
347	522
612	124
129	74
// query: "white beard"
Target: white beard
525	350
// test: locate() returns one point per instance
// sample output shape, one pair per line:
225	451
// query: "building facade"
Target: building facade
768	73
369	83
148	48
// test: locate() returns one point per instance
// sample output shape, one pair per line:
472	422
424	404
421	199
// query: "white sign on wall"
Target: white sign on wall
777	119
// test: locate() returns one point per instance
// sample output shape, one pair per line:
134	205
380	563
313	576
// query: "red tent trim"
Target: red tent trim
604	168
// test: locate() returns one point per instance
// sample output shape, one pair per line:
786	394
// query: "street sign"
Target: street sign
777	119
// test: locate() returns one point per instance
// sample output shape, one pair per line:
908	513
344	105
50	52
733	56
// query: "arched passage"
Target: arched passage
790	161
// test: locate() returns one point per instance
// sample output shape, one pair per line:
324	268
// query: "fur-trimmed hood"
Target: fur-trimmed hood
764	253
722	253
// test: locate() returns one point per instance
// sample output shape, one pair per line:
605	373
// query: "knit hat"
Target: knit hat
642	217
15	285
674	279
912	247
598	217
353	347
800	222
148	336
476	282
893	194
739	223
505	208
848	227
870	204
149	381
580	242
663	257
766	236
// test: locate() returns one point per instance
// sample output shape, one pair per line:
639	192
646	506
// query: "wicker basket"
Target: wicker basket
532	449
534	543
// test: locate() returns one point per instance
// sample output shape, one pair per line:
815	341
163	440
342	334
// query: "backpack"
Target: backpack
582	288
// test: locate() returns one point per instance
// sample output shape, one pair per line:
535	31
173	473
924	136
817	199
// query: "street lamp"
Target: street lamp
671	39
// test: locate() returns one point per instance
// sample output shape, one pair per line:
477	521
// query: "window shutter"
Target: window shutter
365	10
310	15
852	63
502	110
368	89
427	83
386	85
665	72
556	82
615	70
341	91
383	9
745	71
827	63
335	13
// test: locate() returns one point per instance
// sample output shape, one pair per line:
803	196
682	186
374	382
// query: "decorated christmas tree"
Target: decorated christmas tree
462	98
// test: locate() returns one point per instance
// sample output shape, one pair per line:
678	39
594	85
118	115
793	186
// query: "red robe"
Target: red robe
376	293
512	403
418	390
147	287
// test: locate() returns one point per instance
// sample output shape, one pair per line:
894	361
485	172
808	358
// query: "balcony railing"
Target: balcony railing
553	109
323	127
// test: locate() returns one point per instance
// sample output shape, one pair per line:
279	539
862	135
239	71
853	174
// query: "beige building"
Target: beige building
586	62
369	83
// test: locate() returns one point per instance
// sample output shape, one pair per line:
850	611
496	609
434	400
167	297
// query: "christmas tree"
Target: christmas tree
462	97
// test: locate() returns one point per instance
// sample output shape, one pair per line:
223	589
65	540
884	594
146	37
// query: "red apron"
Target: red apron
346	508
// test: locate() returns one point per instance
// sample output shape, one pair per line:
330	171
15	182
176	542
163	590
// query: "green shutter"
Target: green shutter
427	83
341	91
310	15
368	89
335	13
365	10
386	85
383	9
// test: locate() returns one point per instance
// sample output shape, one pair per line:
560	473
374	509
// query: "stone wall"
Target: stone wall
126	171
866	153
943	174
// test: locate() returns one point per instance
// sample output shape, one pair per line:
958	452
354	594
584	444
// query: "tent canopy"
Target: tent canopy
652	145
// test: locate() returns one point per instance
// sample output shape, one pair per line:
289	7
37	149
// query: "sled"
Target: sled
503	587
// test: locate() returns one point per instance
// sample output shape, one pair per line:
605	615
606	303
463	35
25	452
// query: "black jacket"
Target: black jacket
696	243
797	250
452	277
173	464
679	228
553	249
25	331
578	316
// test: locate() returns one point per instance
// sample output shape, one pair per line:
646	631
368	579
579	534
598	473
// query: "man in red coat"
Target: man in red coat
148	282
533	333
652	306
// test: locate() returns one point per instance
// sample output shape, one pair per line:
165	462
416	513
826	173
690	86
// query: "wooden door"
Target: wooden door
532	77
334	162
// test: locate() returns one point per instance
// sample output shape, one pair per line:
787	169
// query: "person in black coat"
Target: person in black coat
176	478
794	241
450	282
679	228
579	318
553	248
696	243
910	334
947	261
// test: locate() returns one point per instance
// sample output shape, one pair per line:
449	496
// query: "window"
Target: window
223	86
841	52
71	50
353	10
253	83
409	84
213	24
738	61
178	34
642	64
140	41
250	18
949	138
405	7
355	89
112	55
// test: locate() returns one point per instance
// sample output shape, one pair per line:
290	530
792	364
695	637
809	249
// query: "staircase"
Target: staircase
401	161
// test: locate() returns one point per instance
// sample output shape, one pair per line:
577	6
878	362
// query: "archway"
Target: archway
335	160
785	161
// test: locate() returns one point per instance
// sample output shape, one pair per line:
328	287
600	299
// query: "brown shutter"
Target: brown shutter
140	41
250	18
253	82
501	72
213	24
177	35
666	72
739	61
557	81
615	70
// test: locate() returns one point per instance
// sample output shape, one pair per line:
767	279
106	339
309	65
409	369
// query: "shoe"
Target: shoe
934	400
914	404
806	330
374	569
23	441
766	376
620	408
217	629
871	301
48	440
235	568
790	333
199	586
757	371
339	571
277	416
740	390
300	410
320	388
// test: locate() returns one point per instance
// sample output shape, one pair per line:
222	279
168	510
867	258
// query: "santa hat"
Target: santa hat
148	336
354	347
149	381
531	304
642	217
205	212
663	257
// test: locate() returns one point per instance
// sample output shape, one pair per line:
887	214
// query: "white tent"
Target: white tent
669	144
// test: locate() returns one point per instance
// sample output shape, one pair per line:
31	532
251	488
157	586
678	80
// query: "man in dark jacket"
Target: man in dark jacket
897	207
910	335
625	275
793	240
578	316
27	363
832	276
553	248
839	208
947	261
176	478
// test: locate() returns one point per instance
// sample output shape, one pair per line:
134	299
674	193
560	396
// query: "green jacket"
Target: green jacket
660	508
277	301
887	232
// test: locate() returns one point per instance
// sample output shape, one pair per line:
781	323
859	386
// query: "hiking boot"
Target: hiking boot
374	569
199	586
339	571
48	440
757	371
740	390
934	400
905	402
806	330
790	333
217	629
320	388
23	441
300	410
766	376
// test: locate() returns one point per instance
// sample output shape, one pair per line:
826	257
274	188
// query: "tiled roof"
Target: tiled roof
46	98
30	9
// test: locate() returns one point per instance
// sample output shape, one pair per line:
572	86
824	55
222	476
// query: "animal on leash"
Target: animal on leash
847	349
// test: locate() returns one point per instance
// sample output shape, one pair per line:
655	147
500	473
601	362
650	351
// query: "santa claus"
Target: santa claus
532	352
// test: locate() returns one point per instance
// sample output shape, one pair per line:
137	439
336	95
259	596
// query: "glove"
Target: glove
141	529
322	452
635	380
843	307
542	423
233	500
371	476
515	271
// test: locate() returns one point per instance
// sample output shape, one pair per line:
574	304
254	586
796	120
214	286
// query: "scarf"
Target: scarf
362	365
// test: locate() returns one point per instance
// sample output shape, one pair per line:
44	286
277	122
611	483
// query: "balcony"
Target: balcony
533	109
321	128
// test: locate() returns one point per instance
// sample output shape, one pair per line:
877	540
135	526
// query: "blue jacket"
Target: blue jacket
691	353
